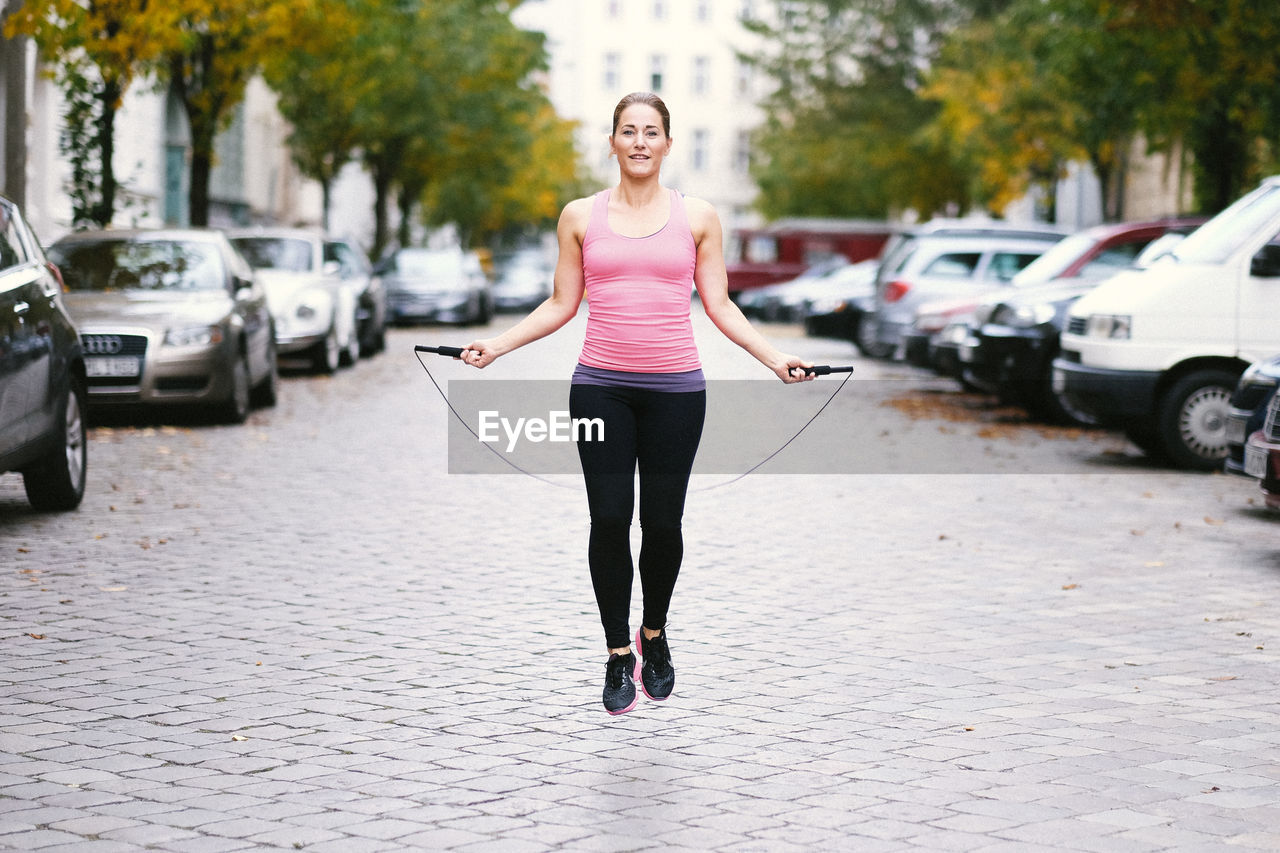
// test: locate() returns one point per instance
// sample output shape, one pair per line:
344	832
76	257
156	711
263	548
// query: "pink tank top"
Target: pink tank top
638	294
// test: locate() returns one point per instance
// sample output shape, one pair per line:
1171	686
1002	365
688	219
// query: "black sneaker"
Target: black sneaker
619	684
657	677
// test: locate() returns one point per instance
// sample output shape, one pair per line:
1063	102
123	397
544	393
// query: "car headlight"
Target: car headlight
1116	326
1023	316
193	336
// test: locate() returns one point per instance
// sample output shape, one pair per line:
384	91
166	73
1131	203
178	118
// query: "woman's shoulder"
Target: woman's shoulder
701	213
577	212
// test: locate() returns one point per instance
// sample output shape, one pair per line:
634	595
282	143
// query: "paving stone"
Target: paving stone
947	666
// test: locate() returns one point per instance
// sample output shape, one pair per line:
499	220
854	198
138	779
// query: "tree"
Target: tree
844	133
212	48
96	49
434	99
318	94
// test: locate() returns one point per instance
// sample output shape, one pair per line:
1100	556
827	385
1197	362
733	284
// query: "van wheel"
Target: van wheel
55	483
1191	419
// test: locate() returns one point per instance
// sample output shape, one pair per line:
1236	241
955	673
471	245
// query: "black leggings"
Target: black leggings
658	431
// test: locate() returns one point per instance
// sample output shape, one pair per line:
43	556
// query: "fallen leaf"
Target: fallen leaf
1153	564
1137	532
24	550
1208	520
113	588
1224	678
36	636
1215	789
238	737
1071	586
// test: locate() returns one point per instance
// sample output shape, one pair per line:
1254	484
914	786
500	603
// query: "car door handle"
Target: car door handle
21	307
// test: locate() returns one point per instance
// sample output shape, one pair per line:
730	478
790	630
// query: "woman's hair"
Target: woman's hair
649	99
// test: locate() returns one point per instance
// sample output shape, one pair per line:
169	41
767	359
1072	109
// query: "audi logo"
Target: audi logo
103	344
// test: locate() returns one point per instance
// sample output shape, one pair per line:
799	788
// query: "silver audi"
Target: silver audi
172	317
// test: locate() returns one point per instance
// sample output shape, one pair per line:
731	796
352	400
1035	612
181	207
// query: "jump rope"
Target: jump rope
456	352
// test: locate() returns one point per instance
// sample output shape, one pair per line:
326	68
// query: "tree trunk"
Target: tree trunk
381	192
326	197
108	100
13	181
408	197
201	166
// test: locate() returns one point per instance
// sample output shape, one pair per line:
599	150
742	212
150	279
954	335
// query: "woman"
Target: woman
637	250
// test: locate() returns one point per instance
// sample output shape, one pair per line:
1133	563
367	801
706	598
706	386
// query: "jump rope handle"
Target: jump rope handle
451	352
823	369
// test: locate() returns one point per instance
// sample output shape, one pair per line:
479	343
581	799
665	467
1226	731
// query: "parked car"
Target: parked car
172	317
1248	408
314	305
436	286
945	261
1009	344
42	381
1159	351
371	295
1262	454
780	302
833	310
524	282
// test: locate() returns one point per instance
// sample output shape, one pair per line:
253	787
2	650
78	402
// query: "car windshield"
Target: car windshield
275	253
1213	242
113	265
1051	264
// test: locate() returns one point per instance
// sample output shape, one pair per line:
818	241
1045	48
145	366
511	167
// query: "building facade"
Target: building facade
686	51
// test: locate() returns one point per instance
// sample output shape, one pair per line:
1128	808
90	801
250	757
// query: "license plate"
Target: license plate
1059	381
1235	430
1255	462
113	366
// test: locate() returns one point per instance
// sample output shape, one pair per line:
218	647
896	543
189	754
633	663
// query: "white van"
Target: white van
1158	351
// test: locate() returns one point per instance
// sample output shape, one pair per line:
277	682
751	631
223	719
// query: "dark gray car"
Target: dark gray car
42	382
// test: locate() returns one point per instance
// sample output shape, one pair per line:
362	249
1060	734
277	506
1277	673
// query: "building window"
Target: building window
742	153
701	75
612	71
659	10
747	10
702	10
699	157
657	65
614	9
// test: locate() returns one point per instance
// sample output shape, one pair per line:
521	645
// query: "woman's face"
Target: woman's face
639	141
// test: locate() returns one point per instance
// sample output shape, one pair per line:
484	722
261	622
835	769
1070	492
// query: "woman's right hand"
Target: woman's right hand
479	354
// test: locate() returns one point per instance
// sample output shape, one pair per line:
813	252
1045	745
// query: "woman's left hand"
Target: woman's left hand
792	372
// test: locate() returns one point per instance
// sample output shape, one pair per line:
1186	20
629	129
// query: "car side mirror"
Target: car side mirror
1266	263
331	268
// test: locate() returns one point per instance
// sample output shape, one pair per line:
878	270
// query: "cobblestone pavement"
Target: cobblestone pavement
302	633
